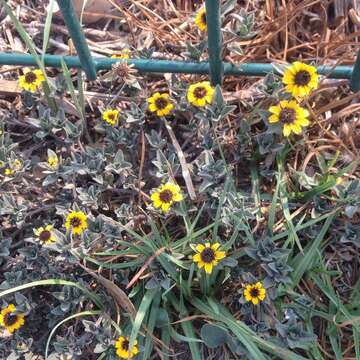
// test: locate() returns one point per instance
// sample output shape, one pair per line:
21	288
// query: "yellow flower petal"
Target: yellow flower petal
165	207
247	296
38	231
303	121
178	197
200	19
152	107
208	268
273	119
197	258
255	301
275	110
296	128
200	248
287	130
220	255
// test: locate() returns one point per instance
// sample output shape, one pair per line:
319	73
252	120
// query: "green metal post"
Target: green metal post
167	66
72	23
213	21
355	76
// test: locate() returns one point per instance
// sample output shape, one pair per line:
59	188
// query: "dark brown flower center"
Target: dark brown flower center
254	292
10	319
125	345
111	116
207	255
203	18
200	92
166	196
45	235
30	77
287	115
75	222
302	78
161	103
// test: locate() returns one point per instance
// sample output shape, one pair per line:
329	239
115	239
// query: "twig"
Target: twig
183	163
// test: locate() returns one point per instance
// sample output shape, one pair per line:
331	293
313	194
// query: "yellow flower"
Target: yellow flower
1	132
124	54
31	79
8	172
17	165
76	221
166	195
300	79
11	321
160	104
254	293
200	19
45	235
111	116
53	162
208	256
200	94
122	348
291	115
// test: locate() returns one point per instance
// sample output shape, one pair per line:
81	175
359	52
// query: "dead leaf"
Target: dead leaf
9	87
94	9
119	296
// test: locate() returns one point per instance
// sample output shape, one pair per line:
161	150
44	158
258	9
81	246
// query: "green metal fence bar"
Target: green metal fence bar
72	23
355	77
166	66
213	21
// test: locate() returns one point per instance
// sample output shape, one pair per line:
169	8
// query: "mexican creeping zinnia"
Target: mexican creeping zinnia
254	293
31	79
122	348
10	320
291	116
200	19
124	54
300	79
164	196
160	104
111	116
53	162
208	256
17	165
45	234
77	222
8	172
200	94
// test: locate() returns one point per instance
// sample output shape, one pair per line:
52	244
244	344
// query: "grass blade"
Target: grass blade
47	28
141	313
303	262
48	282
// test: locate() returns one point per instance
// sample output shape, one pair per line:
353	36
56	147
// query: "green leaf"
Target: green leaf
141	313
214	335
